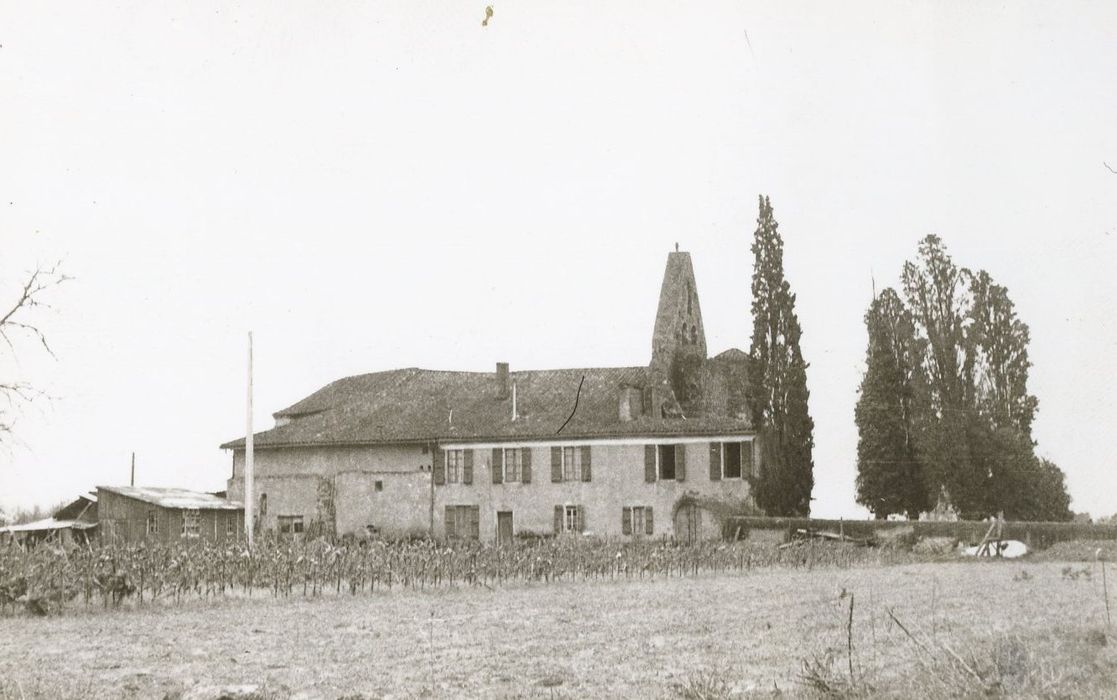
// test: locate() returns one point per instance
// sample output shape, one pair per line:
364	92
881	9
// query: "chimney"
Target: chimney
631	403
502	380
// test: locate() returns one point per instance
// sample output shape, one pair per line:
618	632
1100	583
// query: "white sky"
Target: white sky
378	185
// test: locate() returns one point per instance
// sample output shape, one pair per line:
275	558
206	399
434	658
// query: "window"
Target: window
230	524
666	461
263	504
191	526
463	522
637	521
152	522
570	519
290	524
571	466
736	460
455	460
571	463
732	462
379	485
513	464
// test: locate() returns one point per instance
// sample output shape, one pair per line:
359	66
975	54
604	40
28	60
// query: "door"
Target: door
688	523
504	527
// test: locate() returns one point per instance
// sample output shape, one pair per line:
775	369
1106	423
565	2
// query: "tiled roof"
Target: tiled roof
418	405
173	498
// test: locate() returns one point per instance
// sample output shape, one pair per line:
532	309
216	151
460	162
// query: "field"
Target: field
945	629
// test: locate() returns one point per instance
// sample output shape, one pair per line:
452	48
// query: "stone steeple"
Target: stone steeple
678	341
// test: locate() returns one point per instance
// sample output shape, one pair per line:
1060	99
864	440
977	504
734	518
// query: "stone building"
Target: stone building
624	451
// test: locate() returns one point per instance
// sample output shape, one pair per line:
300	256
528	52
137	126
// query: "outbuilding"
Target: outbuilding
74	523
135	514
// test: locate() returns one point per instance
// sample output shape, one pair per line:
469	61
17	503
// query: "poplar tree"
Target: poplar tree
778	393
889	471
975	429
999	344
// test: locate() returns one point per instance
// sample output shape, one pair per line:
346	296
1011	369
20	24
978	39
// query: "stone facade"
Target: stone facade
382	489
368	455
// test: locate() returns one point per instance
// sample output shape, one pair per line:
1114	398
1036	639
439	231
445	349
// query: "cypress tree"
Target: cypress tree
889	470
778	393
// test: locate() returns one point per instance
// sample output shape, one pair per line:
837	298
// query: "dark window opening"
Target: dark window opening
379	485
732	460
290	524
263	504
666	461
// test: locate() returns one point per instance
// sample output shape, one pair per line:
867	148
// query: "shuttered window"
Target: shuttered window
455	460
571	463
152	522
664	462
735	460
732	460
637	521
513	464
463	522
569	519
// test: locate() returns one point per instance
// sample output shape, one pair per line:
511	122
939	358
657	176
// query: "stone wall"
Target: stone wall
617	481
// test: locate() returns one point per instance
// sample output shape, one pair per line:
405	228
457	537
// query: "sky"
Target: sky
371	185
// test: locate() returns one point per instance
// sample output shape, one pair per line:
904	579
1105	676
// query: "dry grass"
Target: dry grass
973	629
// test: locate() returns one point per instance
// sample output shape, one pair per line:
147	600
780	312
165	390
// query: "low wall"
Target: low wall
1035	535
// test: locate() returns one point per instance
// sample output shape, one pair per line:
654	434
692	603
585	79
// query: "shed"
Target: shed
135	513
74	523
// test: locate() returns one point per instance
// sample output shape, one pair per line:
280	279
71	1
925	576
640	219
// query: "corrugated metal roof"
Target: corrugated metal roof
173	497
48	524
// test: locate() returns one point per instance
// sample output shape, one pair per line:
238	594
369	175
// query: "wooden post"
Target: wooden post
249	509
132	481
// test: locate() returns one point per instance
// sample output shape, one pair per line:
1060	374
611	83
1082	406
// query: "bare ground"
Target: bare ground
1033	625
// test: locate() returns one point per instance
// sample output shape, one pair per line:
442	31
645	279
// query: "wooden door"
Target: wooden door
504	527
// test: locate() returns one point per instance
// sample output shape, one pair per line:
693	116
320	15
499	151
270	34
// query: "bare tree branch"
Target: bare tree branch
19	320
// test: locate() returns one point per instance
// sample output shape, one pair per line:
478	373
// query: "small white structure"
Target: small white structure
1005	549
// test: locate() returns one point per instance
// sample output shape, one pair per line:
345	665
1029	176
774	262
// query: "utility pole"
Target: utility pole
132	482
249	498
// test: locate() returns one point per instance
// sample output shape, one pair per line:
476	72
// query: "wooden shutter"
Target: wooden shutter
715	461
648	526
449	524
556	464
579	519
525	465
498	465
439	466
680	462
467	468
475	522
649	463
747	459
558	520
626	521
586	451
